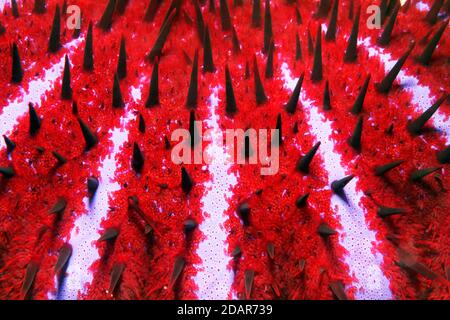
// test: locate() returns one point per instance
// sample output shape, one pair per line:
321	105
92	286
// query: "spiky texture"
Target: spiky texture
17	73
88	59
359	102
153	95
106	19
122	62
305	161
351	52
66	89
191	100
231	107
291	106
316	74
54	42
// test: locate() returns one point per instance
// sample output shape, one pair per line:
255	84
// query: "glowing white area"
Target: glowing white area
422	6
355	236
421	95
11	113
86	229
213	278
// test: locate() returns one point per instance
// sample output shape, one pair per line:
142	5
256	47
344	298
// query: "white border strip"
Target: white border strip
214	279
355	237
86	228
421	95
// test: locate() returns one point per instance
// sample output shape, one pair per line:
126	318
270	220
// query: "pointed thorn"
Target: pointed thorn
212	7
7	172
278	142
444	155
121	6
63	258
162	37
298	48
304	162
291	106
418	175
141	123
244	213
89	136
137	161
17	72
235	40
186	181
208	64
10	145
122	62
432	15
385	85
178	267
59	207
54	42
268	33
39	7
416	126
256	14
189	225
109	234
325	230
331	30
117	100
193	130
14	9
231	107
385	37
269	62
384	212
323	8
249	276
351	8
35	121
338	290
355	139
427	52
92	186
237	252
359	102
326	97
316	74
2	29
74	107
200	22
66	89
107	17
191	101
259	89
271	250
339	185
225	18
302	201
298	16
381	170
59	157
116	274
88	59
151	10
352	47
153	95
30	275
